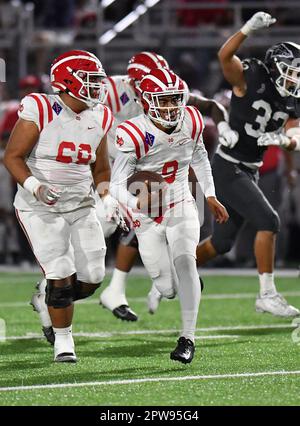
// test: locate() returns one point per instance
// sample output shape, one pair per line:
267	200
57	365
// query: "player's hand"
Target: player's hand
112	212
259	20
227	136
47	194
150	201
271	138
218	210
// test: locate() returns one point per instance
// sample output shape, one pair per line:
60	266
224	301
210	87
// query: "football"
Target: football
151	195
134	182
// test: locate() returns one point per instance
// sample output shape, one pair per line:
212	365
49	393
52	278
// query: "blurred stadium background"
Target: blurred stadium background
188	34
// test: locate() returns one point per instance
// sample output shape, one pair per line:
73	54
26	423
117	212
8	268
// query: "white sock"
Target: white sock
189	294
118	281
63	331
267	285
64	339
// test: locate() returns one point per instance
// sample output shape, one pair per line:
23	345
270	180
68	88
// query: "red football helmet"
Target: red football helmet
142	63
79	73
164	97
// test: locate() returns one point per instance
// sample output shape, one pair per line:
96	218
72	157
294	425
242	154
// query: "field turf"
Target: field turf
242	357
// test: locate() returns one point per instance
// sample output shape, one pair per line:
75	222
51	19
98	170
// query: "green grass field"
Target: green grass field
242	358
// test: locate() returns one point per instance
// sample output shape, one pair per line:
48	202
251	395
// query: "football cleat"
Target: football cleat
39	305
276	305
124	313
49	334
153	299
117	304
64	349
184	351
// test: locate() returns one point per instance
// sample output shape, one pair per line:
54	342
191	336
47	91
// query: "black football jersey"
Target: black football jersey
261	110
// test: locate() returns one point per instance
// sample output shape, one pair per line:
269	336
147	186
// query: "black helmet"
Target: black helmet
283	63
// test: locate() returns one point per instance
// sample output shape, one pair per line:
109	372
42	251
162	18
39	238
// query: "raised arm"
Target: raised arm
232	66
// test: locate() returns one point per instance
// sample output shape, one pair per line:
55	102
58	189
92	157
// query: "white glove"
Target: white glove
227	136
267	139
259	20
47	194
112	212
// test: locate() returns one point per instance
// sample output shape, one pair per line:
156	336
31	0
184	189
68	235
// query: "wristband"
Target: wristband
246	29
31	184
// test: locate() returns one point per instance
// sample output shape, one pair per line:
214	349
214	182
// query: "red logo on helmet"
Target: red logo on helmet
79	73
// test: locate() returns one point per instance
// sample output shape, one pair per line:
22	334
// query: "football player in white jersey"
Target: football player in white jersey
167	139
57	153
123	100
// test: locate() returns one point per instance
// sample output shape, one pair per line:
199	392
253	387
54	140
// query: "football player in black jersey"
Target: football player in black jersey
260	104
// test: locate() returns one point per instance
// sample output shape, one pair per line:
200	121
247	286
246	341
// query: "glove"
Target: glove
47	194
227	136
267	139
259	20
112	212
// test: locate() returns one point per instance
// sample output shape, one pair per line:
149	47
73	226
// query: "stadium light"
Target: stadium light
127	21
106	3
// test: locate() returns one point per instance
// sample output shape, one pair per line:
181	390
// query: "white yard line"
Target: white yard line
149	380
225	296
169	331
107	334
140	271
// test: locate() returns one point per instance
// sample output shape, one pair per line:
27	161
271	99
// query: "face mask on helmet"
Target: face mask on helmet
93	90
164	108
288	82
79	74
283	63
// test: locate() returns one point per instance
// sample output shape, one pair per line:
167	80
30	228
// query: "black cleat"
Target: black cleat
201	283
66	357
184	351
125	313
49	334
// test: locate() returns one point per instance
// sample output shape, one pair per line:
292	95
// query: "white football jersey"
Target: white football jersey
170	155
65	149
122	101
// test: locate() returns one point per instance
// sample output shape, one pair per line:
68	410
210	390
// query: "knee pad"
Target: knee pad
222	245
184	247
93	273
59	268
165	285
82	290
59	297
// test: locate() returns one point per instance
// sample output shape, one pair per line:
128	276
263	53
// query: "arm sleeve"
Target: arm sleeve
29	111
124	167
201	166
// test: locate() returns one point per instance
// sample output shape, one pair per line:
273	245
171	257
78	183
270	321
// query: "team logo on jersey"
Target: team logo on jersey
120	141
56	108
171	140
136	223
124	98
149	139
